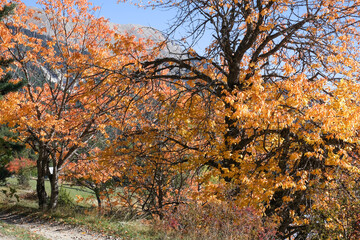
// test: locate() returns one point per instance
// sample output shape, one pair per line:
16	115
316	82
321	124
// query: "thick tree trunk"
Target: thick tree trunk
54	182
40	185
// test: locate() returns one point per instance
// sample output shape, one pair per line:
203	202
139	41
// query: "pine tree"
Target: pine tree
7	148
5	85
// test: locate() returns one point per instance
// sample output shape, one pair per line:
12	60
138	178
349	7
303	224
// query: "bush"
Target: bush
22	167
4	173
216	221
65	200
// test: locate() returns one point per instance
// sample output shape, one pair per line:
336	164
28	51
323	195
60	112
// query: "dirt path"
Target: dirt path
53	231
2	237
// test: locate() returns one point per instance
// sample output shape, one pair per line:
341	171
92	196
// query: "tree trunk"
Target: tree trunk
40	185
97	194
54	182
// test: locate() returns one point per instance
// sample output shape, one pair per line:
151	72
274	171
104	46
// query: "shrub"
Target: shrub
216	221
22	168
65	200
4	173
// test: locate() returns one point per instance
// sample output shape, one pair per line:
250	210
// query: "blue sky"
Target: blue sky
124	13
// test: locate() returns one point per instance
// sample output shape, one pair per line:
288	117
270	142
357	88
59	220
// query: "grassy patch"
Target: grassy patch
77	191
106	225
18	232
73	191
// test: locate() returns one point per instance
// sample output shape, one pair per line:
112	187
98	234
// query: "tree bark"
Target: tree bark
40	185
54	182
98	199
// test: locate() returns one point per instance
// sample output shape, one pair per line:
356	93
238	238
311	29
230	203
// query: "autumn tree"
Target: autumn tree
67	99
271	106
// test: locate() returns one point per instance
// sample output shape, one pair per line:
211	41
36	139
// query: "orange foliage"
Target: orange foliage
19	164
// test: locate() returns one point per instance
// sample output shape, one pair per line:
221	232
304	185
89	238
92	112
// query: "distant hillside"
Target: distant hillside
133	29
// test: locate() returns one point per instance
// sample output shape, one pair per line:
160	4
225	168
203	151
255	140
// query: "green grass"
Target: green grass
73	191
18	232
77	191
